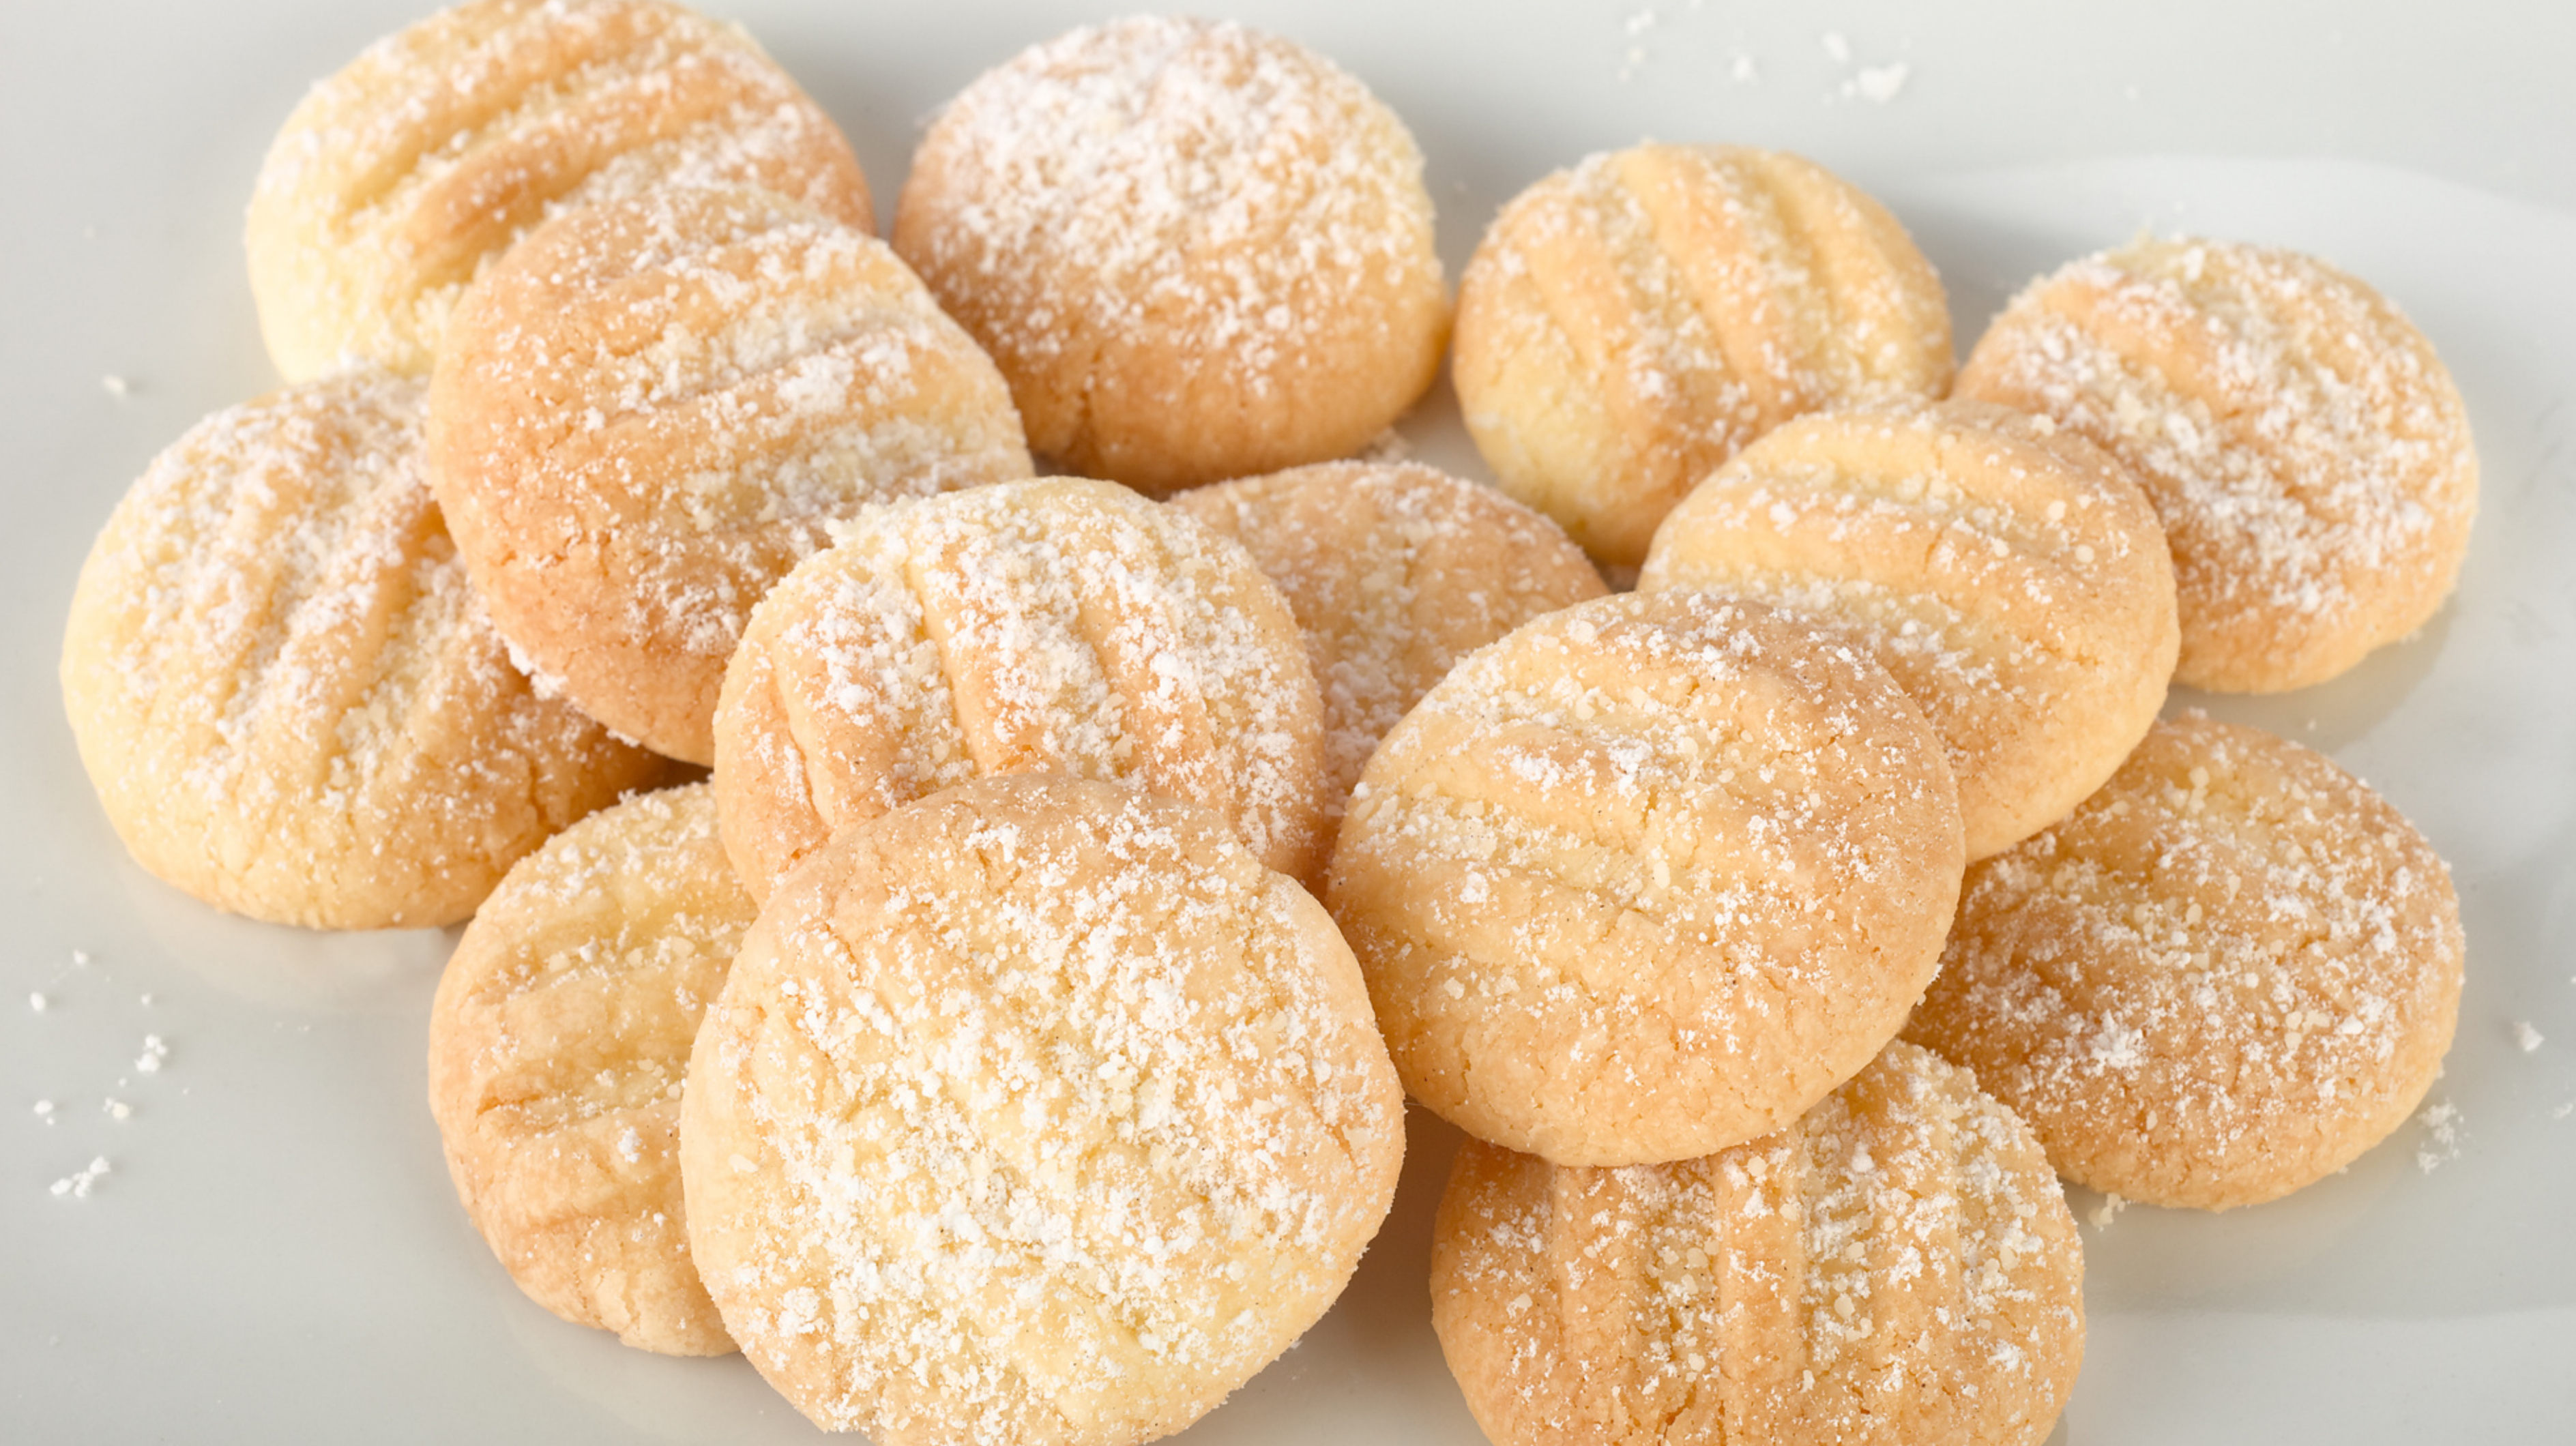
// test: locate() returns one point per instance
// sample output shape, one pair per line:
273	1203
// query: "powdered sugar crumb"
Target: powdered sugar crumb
2441	1122
2524	1036
155	1051
79	1183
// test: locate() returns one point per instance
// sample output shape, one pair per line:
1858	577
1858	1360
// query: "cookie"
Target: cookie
652	409
1198	251
1394	572
400	179
1036	1111
557	1043
1896	1266
1648	878
2009	575
2303	445
1627	325
1056	626
2229	973
291	703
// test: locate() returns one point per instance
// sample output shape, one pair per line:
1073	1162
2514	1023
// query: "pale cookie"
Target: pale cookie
1197	251
290	701
2305	447
2009	575
1055	626
557	1042
1034	1112
1625	326
400	179
650	411
1895	1267
1648	877
1394	572
2224	977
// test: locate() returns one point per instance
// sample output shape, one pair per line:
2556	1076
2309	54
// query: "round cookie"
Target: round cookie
1198	251
1896	1266
291	703
1036	1111
1648	877
557	1043
400	179
2009	575
1054	626
1625	326
652	408
2302	443
1394	572
2229	973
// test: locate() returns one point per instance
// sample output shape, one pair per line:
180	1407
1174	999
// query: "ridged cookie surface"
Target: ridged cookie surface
1648	877
1052	626
1037	1111
652	410
1625	326
557	1043
2009	575
1895	1267
1394	573
291	702
2229	973
2303	445
400	179
1198	251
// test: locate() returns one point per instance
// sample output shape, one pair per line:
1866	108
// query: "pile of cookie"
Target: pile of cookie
1007	1036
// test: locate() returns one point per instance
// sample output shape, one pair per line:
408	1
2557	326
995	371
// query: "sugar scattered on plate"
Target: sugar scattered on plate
2109	1210
117	1109
2524	1036
78	1183
117	386
2441	1124
45	1111
36	1002
154	1052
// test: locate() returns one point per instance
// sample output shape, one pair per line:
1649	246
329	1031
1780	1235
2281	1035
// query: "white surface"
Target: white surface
276	1254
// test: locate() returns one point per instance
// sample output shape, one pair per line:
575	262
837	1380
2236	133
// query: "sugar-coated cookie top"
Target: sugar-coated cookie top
2230	971
2009	574
653	409
2305	448
402	177
1057	625
1197	250
1895	1266
557	1042
290	700
1035	1111
1648	877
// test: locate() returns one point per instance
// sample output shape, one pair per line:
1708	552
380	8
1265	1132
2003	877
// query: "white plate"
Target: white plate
276	1254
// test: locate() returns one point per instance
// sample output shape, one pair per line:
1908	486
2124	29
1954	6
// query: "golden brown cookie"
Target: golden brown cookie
1895	1267
1394	571
400	179
1054	626
2304	446
2229	973
2008	574
1036	1111
557	1044
652	409
1648	877
1198	251
290	701
1625	326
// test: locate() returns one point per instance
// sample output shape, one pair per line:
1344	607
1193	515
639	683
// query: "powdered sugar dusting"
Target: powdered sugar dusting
399	179
1087	1131
2309	457
1060	626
